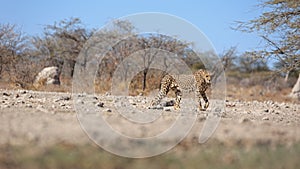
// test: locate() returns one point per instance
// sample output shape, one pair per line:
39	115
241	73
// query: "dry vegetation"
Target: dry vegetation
259	109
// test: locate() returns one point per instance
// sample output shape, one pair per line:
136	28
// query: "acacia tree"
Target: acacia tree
147	46
62	42
13	47
279	28
159	42
228	57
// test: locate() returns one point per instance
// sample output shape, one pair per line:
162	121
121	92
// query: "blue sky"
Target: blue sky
213	17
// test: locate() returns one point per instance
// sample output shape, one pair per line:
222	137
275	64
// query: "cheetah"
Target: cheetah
199	81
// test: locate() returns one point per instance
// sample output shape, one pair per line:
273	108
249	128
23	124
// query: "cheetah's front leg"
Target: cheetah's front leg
198	94
177	99
205	99
199	100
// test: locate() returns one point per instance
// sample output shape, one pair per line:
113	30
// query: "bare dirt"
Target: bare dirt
47	118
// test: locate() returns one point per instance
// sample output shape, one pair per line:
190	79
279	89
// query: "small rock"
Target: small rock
79	102
282	104
167	109
277	112
132	102
202	118
244	120
155	107
67	107
266	110
23	92
170	103
81	95
29	105
21	101
100	104
108	110
63	98
6	106
6	94
30	97
62	104
265	118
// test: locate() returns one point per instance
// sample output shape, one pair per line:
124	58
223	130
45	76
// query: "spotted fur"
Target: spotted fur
200	81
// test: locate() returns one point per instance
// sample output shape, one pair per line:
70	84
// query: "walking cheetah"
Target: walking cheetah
200	81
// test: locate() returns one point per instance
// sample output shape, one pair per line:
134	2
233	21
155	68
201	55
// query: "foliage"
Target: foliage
61	44
13	50
144	47
244	63
279	27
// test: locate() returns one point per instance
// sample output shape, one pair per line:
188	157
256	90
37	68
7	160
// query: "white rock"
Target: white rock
265	118
49	75
29	105
167	109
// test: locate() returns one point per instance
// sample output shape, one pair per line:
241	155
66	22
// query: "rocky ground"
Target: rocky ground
46	118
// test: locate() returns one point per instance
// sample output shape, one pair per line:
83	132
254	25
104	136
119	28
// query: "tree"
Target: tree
147	46
279	28
158	42
62	43
228	57
296	89
13	46
246	63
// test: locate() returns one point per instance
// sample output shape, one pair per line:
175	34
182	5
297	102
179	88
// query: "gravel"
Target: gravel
45	118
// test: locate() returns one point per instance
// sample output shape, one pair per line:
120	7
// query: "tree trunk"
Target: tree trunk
67	71
286	76
296	89
68	68
145	78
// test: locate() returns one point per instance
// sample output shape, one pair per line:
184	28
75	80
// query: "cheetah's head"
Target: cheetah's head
207	78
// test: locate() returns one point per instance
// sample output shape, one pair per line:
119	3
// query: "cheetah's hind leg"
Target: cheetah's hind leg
165	87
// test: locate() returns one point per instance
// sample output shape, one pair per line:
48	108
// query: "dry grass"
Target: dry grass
259	93
211	155
259	86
